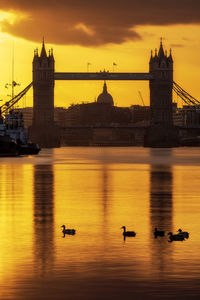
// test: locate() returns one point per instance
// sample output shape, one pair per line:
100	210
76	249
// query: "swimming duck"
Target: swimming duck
68	231
175	237
183	233
128	233
158	232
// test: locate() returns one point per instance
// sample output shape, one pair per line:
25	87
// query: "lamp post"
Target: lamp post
88	65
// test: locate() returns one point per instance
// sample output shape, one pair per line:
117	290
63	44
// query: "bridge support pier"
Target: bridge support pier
161	137
45	137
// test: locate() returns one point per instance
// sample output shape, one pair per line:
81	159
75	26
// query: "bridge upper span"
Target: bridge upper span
102	76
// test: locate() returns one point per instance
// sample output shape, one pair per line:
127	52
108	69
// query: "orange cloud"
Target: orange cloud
93	23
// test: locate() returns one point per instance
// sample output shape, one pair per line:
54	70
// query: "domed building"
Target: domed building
101	112
105	97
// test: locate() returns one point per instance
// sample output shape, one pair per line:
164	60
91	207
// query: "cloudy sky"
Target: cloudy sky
100	32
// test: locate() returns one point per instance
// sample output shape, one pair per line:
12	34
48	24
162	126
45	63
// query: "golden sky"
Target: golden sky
99	32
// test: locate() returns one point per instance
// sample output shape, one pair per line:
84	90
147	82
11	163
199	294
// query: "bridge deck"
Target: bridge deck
102	76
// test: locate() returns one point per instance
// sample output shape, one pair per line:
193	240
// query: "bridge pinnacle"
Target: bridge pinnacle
161	50
43	51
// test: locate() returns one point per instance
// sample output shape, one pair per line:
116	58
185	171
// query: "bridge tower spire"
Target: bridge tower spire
43	127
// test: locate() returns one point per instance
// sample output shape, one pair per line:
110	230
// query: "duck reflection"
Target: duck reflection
161	213
43	218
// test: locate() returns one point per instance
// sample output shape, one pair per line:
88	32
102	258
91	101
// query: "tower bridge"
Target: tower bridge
45	132
160	77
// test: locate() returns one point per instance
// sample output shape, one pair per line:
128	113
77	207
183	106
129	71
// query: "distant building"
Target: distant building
105	97
99	113
188	116
59	116
140	115
27	113
178	118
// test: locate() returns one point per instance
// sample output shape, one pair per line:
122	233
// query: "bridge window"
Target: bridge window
163	76
163	65
44	75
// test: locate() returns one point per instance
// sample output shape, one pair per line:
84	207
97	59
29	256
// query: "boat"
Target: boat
13	126
8	146
29	149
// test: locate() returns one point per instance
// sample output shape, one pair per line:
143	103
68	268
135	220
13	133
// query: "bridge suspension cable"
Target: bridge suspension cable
9	104
186	97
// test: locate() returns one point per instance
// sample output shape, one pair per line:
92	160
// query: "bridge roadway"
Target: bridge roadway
102	76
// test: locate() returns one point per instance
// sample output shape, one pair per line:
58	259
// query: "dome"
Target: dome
105	97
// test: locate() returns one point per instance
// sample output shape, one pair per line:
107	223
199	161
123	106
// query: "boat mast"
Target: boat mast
13	70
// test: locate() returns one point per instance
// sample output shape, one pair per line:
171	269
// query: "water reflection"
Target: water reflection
43	218
161	215
161	197
105	194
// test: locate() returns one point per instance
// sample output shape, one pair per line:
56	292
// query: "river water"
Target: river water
97	191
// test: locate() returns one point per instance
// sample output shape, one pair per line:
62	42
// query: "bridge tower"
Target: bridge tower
43	129
161	67
161	132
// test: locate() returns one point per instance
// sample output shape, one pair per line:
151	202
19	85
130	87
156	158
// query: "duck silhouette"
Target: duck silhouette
175	237
183	233
158	233
68	231
128	233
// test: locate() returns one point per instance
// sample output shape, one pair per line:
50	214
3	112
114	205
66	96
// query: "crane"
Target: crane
9	104
140	95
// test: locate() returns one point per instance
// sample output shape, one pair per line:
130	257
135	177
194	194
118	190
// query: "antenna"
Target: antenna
13	70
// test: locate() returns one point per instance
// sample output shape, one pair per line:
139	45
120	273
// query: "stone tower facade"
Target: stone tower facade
161	132
43	88
43	130
161	67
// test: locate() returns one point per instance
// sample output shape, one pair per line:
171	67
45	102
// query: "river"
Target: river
97	191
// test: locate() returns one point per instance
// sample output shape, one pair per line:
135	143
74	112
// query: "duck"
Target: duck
158	232
68	231
183	233
128	233
175	237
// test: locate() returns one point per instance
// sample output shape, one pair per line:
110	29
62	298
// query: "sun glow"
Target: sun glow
132	56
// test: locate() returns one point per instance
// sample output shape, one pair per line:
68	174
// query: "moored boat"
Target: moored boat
13	136
29	148
8	146
14	127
